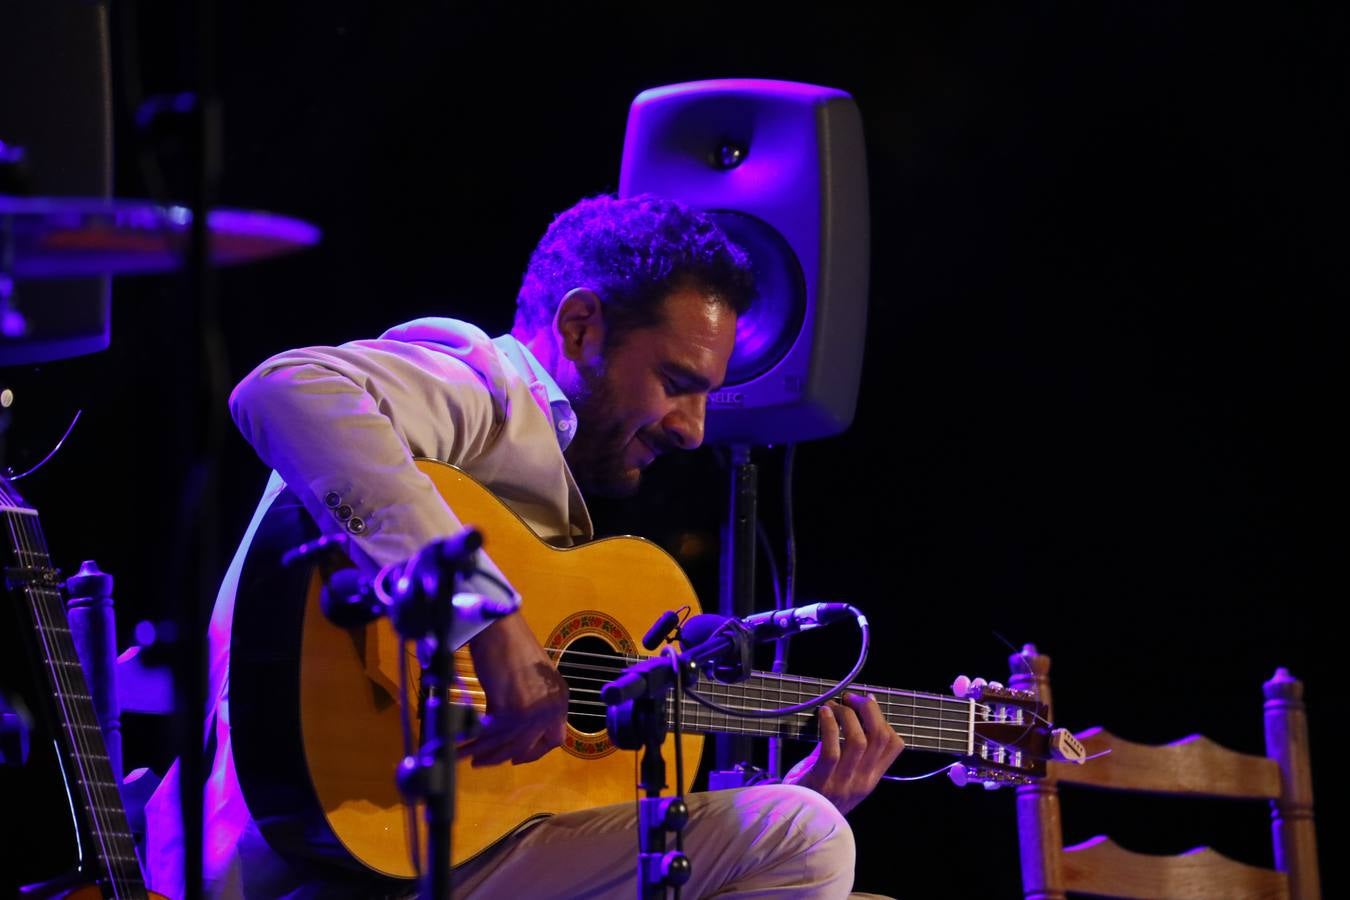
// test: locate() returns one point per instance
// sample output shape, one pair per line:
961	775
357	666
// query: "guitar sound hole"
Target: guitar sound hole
586	665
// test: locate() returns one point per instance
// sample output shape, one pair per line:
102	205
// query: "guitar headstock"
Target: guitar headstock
9	495
1010	735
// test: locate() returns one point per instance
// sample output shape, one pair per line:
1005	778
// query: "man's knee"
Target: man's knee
817	826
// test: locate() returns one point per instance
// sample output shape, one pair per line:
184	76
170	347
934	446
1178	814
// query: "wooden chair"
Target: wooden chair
1194	766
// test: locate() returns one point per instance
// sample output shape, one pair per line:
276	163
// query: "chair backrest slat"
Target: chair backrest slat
1193	767
1103	867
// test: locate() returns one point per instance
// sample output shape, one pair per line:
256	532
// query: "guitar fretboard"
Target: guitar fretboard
88	770
925	721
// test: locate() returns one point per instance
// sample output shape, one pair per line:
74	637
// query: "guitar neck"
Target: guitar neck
926	721
91	784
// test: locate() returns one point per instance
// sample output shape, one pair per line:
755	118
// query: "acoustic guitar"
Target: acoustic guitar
316	708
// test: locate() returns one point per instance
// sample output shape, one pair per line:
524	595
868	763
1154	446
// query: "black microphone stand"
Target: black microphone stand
425	611
421	608
736	597
635	714
429	775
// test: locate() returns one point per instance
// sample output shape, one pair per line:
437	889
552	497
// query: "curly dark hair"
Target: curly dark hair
632	252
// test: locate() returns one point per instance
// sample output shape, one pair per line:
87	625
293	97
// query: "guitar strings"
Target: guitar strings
904	716
770	689
1035	713
55	672
78	729
905	710
85	736
944	743
889	700
776	681
900	707
122	861
767	682
921	738
765	678
766	728
940	736
62	688
886	698
896	718
781	727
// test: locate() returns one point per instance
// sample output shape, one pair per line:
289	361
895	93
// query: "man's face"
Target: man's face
648	394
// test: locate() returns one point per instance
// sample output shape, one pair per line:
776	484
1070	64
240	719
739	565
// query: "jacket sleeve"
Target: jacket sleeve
341	426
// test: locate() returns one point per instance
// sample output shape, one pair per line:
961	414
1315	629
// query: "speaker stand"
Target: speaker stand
736	598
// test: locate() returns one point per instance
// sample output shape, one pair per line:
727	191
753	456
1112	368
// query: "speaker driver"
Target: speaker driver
768	329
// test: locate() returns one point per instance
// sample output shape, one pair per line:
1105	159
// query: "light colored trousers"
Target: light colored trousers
768	841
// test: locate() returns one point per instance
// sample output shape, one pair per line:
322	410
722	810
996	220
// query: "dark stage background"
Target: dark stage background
1096	409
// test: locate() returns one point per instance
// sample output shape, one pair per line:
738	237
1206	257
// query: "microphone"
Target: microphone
733	662
407	592
765	626
350	600
769	626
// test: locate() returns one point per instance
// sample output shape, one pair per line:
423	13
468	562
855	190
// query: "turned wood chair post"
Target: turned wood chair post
1039	835
1292	812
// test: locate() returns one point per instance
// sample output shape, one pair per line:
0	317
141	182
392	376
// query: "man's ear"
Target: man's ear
579	325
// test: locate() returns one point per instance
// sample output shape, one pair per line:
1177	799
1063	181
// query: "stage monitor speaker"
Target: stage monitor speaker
55	104
782	168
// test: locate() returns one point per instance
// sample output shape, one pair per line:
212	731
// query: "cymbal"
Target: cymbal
69	237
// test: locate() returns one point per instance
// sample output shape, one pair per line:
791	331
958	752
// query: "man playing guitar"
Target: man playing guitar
625	321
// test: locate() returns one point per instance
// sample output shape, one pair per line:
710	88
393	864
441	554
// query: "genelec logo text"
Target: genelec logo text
726	398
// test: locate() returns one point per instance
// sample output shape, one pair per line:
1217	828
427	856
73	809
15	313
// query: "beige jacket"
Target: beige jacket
341	427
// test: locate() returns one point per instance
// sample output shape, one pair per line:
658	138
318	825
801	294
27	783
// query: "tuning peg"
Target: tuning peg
961	686
996	685
978	683
962	775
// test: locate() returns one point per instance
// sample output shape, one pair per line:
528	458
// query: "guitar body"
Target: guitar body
315	712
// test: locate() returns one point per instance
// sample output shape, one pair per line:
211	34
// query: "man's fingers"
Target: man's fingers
494	735
882	741
487	755
855	741
829	741
516	747
868	712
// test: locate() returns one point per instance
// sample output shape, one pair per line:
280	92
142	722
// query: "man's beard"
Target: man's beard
596	452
